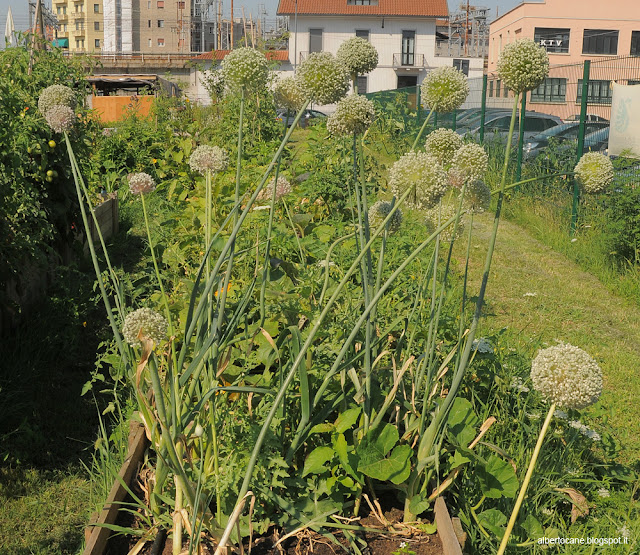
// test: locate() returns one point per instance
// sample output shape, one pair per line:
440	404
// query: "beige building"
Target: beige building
163	26
81	27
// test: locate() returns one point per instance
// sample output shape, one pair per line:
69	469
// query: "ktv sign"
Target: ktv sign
551	42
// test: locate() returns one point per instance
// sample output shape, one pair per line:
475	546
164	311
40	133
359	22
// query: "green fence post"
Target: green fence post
435	120
523	111
483	106
418	105
583	117
453	120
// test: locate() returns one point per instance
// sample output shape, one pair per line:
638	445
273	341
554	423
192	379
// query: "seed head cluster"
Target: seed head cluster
60	118
423	175
56	95
523	65
208	158
444	89
442	144
354	114
146	323
469	163
245	68
141	183
322	78
477	197
379	211
287	94
567	376
283	187
595	172
358	55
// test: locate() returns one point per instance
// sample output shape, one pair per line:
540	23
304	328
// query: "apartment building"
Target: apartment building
571	31
80	24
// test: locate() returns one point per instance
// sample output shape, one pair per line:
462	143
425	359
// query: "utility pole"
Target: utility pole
232	26
38	37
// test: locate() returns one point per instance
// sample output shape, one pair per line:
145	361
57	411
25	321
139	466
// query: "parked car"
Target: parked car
305	119
472	118
558	134
590	118
497	125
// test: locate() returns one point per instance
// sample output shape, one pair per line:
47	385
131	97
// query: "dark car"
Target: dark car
558	134
305	119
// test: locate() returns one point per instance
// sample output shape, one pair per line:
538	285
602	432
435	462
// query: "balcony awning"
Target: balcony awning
60	43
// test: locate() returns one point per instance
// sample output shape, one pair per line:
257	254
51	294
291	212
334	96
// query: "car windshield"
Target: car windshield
555	131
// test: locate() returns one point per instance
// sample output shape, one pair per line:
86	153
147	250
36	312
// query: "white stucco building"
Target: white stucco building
402	31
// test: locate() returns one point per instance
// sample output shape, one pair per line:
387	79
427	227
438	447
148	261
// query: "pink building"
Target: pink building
572	31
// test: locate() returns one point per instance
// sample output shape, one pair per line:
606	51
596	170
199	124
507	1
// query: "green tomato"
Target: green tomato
49	173
52	144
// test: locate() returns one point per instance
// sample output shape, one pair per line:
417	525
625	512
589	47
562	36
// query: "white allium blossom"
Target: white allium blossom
443	143
207	157
354	114
245	67
518	384
444	89
141	183
358	55
213	81
322	78
604	492
624	532
56	95
379	211
423	175
434	219
477	197
470	162
567	376
523	65
595	172
283	188
60	118
287	94
146	323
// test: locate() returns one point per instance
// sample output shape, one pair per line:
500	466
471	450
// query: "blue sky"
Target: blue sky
21	11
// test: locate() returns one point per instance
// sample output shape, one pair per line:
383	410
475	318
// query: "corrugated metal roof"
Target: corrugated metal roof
423	8
278	55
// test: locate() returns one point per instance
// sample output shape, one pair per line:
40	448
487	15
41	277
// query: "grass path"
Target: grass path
542	297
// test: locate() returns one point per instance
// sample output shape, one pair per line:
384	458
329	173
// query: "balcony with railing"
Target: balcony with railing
408	60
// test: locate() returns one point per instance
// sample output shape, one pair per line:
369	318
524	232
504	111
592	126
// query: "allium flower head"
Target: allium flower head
595	172
213	81
60	118
283	188
421	173
379	211
477	197
469	163
207	157
567	376
444	89
354	114
56	95
245	67
141	183
146	323
322	78
523	65
443	143
358	55
441	214
287	94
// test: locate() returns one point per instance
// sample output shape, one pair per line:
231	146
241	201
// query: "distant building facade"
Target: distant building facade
80	24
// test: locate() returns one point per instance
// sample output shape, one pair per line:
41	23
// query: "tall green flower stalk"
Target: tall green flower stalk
567	376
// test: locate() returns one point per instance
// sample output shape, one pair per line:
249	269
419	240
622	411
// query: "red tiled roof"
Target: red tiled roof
424	8
277	55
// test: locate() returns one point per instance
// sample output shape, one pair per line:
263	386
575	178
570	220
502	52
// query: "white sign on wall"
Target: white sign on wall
624	133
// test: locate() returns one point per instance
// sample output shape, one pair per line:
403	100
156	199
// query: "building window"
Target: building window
149	23
498	86
79	25
160	23
97	43
160	4
181	5
598	91
635	43
160	42
315	40
408	48
80	44
505	92
362	84
96	8
554	40
462	65
65	28
148	4
362	33
59	10
598	41
64	10
149	43
96	25
550	90
491	89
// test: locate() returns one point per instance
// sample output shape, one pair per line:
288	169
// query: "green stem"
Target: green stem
421	132
527	479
